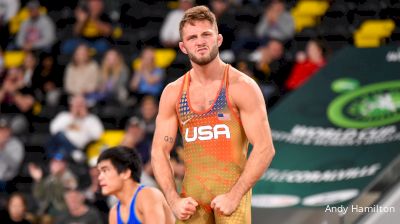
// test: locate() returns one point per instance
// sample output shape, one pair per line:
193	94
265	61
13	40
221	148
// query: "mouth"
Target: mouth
201	50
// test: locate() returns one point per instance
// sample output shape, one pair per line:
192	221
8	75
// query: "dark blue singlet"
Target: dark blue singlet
132	219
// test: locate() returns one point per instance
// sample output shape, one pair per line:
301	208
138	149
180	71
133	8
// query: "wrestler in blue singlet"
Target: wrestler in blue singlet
132	219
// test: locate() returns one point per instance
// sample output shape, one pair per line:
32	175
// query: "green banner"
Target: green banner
336	133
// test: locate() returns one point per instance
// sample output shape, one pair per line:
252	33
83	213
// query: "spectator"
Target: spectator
307	64
270	69
47	81
268	59
78	211
49	191
93	193
74	129
114	76
226	21
148	79
169	34
38	32
16	210
15	96
8	9
276	23
81	75
16	100
29	66
148	112
92	26
11	154
134	138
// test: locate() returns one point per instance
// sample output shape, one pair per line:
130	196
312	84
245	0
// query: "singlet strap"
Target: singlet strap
226	76
132	218
185	85
119	219
135	196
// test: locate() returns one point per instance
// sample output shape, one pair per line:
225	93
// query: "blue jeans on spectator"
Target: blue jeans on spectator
59	144
101	45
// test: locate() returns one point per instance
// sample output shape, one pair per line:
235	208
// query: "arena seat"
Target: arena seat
306	13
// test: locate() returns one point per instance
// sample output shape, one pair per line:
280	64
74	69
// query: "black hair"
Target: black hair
123	158
16	195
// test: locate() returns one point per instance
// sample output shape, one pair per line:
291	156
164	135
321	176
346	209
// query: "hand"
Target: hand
184	208
10	86
301	57
225	204
74	126
35	172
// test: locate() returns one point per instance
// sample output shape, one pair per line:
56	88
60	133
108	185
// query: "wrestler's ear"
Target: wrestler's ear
183	49
220	38
126	174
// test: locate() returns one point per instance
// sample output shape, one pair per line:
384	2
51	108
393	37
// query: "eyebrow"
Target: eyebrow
190	36
102	167
195	35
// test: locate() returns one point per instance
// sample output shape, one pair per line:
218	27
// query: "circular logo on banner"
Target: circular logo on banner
328	198
274	200
370	106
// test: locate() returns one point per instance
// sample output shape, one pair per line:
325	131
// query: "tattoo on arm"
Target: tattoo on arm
168	139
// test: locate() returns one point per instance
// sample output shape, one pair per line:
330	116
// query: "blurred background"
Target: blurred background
77	77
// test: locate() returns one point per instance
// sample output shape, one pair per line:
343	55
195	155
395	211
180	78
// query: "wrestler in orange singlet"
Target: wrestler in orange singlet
218	111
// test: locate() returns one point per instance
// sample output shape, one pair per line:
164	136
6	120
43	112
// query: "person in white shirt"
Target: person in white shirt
8	9
75	128
169	34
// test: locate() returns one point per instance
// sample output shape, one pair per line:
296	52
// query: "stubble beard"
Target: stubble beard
205	59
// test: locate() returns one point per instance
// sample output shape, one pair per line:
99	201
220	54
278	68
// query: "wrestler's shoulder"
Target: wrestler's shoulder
238	79
153	193
174	86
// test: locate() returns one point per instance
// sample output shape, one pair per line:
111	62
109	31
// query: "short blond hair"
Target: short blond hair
198	13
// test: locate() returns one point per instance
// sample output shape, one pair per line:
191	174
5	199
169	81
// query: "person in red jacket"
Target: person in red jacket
307	64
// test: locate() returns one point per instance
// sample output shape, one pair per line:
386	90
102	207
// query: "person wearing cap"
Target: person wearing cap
49	191
134	138
12	153
38	32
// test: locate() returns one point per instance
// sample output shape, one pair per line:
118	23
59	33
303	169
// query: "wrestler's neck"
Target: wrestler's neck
127	191
205	74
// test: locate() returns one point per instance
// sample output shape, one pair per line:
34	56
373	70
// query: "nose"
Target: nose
200	41
100	177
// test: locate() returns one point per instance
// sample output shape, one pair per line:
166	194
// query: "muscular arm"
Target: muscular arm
151	207
253	114
163	142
